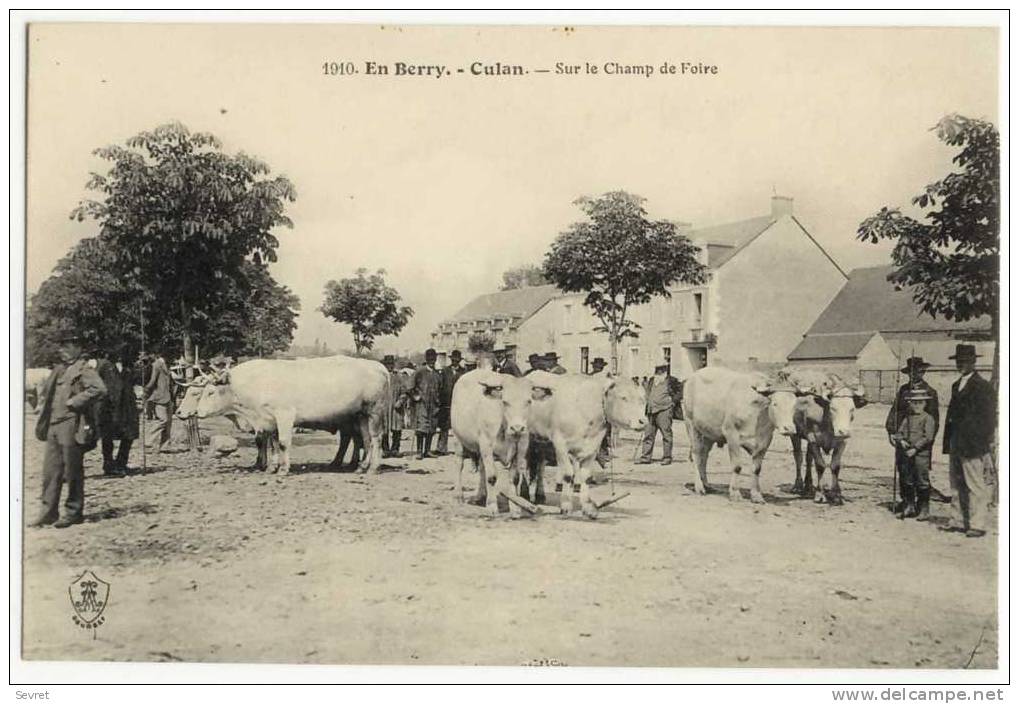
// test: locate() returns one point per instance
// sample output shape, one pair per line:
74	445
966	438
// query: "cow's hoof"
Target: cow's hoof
836	500
589	510
735	495
820	498
797	487
757	497
700	490
477	501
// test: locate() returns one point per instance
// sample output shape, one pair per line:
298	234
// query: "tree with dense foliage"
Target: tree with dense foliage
522	277
368	305
254	317
621	259
183	221
949	255
85	294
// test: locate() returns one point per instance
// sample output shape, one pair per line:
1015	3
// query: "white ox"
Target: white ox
824	418
573	416
740	410
187	408
275	395
489	415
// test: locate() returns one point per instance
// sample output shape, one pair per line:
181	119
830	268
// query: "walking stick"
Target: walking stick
141	318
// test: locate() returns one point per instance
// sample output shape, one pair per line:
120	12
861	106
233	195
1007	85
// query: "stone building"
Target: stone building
768	281
870	329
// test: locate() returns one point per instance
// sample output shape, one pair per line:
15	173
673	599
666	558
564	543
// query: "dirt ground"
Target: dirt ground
211	562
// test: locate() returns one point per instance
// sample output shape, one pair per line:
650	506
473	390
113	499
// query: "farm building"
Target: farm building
768	281
869	330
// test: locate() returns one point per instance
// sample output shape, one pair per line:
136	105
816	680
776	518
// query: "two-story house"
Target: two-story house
769	279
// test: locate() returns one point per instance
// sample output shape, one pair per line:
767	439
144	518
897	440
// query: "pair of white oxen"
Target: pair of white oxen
494	417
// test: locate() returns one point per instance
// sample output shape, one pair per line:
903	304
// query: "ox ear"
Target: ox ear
540	393
860	397
764	389
491	390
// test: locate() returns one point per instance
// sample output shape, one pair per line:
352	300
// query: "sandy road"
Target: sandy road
211	562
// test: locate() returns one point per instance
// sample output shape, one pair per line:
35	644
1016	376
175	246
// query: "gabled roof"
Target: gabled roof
835	346
725	240
518	302
869	302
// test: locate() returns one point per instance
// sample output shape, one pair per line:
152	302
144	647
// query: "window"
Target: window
698	302
634	362
584	352
667	358
568	317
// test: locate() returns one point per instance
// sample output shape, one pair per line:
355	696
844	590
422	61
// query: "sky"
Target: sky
447	182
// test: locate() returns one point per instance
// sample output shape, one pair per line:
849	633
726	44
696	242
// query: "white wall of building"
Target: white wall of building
769	294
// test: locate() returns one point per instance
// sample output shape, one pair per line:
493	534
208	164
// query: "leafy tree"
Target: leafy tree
522	277
621	259
83	294
949	256
182	218
368	305
255	316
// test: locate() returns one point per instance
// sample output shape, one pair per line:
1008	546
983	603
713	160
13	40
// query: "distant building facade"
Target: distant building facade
768	281
870	329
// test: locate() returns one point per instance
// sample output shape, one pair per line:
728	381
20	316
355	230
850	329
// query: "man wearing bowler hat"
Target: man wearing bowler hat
504	363
66	425
598	365
915	369
969	431
552	365
534	359
426	398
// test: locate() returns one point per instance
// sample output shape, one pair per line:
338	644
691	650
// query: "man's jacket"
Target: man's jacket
76	388
971	418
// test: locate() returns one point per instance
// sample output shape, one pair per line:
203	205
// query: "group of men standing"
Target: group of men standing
912	425
83	406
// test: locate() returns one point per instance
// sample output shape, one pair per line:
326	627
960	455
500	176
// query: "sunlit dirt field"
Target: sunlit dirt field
209	561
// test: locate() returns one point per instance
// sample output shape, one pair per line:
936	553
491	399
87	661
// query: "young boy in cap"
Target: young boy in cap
915	436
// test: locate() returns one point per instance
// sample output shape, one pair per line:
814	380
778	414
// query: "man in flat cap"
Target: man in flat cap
661	390
915	369
426	400
66	424
449	375
969	433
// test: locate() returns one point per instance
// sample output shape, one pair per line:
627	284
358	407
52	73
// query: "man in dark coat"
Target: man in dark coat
426	399
448	376
66	424
118	412
534	359
504	364
915	368
969	433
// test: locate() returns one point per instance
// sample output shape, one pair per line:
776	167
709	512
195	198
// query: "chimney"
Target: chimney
781	205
